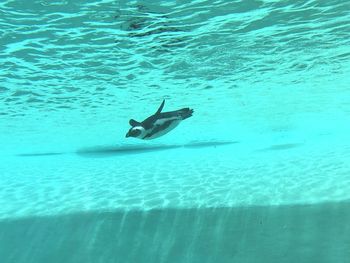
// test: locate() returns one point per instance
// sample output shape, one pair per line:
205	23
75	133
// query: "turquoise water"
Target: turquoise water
260	173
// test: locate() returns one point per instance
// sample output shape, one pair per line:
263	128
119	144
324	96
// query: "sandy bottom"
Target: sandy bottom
203	202
200	175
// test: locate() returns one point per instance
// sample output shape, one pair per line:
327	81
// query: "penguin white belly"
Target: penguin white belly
161	132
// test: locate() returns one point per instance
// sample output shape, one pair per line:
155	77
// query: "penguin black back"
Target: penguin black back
158	124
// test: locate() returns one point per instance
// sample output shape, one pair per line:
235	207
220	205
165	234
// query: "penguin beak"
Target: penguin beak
127	135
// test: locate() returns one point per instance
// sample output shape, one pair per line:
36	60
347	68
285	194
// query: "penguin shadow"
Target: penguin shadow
199	145
280	147
109	151
122	150
38	154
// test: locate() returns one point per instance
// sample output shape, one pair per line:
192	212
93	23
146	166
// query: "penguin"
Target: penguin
158	124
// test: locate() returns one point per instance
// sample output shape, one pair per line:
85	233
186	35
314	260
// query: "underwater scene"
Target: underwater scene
174	131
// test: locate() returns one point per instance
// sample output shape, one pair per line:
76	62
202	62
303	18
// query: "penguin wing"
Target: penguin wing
159	120
134	123
150	121
160	108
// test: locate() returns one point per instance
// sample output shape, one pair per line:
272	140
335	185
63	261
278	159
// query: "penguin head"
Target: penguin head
135	132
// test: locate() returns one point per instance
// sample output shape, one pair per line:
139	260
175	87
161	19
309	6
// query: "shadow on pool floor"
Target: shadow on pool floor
121	150
102	151
300	233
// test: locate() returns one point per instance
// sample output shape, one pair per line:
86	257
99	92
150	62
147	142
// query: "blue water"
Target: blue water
260	173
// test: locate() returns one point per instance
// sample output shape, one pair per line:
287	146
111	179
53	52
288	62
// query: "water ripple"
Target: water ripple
121	50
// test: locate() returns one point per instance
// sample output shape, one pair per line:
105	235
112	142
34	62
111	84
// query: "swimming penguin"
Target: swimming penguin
158	124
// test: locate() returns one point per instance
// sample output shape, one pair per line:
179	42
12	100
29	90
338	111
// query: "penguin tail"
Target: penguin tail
186	113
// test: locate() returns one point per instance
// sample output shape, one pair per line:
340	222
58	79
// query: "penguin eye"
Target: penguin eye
135	132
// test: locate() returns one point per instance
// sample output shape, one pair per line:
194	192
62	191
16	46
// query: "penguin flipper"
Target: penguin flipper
160	107
134	123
